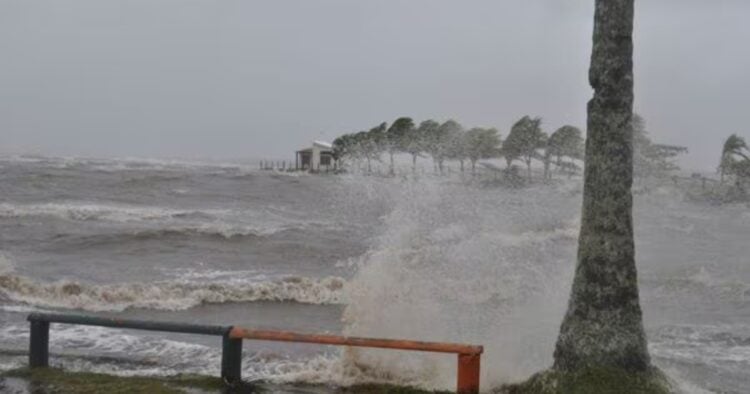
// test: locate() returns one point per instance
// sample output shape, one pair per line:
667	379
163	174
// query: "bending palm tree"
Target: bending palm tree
733	146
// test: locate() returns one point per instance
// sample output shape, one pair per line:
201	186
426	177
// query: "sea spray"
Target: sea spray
461	264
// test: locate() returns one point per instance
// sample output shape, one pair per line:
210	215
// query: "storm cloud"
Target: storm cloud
238	79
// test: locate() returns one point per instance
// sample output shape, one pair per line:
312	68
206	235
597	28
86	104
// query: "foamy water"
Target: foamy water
432	258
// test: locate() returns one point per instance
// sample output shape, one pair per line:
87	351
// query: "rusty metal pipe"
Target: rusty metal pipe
286	336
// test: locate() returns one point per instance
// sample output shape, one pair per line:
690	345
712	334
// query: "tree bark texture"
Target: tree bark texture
603	326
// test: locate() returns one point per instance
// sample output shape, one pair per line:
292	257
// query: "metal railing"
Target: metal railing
231	360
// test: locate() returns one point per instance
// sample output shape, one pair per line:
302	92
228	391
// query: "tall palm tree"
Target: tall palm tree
603	326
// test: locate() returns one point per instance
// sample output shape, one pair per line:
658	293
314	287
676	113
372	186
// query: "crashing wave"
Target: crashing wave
83	212
218	230
168	295
168	221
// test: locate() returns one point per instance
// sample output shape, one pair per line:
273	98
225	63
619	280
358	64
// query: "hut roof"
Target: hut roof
324	145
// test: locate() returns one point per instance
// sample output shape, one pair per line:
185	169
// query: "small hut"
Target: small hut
318	156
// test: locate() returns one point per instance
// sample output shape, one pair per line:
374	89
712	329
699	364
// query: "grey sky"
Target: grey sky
200	78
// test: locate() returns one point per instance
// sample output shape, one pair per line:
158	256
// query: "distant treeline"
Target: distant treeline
525	143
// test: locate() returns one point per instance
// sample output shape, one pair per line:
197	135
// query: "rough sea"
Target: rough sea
428	258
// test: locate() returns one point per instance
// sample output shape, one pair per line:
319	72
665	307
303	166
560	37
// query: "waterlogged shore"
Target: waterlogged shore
422	257
57	381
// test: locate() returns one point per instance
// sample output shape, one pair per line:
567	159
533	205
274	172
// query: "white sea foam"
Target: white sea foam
90	211
339	368
84	346
14	362
22	309
221	222
127	163
682	383
719	345
117	352
217	228
169	295
6	264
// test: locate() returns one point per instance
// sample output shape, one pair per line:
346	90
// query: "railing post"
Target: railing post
39	344
231	359
468	373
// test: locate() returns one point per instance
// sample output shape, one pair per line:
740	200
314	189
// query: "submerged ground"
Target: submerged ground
433	258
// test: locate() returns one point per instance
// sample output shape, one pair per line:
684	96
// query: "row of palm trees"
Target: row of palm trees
451	141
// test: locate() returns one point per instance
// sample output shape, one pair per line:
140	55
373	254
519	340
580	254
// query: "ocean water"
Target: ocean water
429	258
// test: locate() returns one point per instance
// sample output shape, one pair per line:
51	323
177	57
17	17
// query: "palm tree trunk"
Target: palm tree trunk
392	170
414	163
528	169
603	326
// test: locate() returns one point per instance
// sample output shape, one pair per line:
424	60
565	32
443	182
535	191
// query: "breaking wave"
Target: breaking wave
721	346
168	294
125	163
220	231
115	213
161	222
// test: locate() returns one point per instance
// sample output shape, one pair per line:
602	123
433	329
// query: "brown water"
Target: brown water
431	258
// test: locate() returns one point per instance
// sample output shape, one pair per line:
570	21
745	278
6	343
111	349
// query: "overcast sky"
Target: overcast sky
235	78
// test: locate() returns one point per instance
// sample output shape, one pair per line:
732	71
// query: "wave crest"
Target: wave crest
169	222
83	212
168	295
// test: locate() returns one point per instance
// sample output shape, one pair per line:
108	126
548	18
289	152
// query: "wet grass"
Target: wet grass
54	381
379	388
57	381
592	381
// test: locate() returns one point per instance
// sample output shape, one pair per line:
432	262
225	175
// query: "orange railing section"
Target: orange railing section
468	355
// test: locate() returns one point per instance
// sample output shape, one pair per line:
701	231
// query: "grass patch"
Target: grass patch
592	381
58	381
53	381
385	389
300	388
